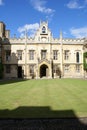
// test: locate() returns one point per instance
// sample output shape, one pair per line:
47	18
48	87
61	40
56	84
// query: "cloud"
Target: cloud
30	28
85	1
75	4
65	33
79	32
1	2
40	5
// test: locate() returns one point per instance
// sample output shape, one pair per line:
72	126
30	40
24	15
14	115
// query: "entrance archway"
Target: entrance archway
43	70
19	71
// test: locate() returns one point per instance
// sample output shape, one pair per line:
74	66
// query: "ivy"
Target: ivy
84	61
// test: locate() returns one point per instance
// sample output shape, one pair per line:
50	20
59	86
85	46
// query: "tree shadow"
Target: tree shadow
11	81
41	117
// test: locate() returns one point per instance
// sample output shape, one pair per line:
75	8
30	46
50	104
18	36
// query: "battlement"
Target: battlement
3	31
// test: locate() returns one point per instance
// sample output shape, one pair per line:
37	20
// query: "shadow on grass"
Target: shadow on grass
10	81
41	117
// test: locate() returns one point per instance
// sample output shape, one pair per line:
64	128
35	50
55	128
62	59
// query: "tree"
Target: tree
84	61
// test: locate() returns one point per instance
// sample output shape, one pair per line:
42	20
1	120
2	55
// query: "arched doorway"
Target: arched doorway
19	71
43	71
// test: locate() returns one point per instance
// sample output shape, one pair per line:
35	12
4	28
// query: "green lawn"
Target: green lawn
43	98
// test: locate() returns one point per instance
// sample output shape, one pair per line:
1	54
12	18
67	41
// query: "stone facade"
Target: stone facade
42	56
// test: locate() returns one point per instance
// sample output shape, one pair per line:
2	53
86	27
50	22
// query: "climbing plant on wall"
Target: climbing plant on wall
84	61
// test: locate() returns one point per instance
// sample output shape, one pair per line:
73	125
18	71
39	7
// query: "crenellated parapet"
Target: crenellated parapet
73	41
47	40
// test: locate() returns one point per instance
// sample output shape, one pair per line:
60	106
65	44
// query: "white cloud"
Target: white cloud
74	4
85	1
65	33
40	5
79	32
1	2
30	28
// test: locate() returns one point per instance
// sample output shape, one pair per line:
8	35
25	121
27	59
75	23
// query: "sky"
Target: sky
68	16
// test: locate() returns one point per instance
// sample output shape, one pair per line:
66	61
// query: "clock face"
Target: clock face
43	39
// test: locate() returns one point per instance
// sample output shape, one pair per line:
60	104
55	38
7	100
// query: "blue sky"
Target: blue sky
70	16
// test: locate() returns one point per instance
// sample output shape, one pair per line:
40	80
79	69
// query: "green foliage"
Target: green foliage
84	61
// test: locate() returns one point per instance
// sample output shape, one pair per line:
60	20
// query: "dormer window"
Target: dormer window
43	29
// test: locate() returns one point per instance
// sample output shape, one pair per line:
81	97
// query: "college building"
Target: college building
42	56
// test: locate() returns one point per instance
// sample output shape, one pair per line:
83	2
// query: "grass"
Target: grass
43	98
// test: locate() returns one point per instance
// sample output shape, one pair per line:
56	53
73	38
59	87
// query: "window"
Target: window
66	68
8	55
43	29
55	68
66	54
31	54
19	52
31	69
77	57
77	68
8	68
43	54
55	54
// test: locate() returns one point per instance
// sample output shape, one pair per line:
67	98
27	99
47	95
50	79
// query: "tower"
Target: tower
2	29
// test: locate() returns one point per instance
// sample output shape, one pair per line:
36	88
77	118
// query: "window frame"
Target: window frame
78	68
55	54
77	57
19	54
31	54
66	68
8	55
66	54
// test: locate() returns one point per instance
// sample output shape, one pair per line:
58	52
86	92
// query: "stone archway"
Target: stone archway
43	71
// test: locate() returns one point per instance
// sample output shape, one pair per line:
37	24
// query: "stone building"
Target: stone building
41	56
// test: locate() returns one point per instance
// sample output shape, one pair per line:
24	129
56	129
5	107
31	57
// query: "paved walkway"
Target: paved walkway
44	124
